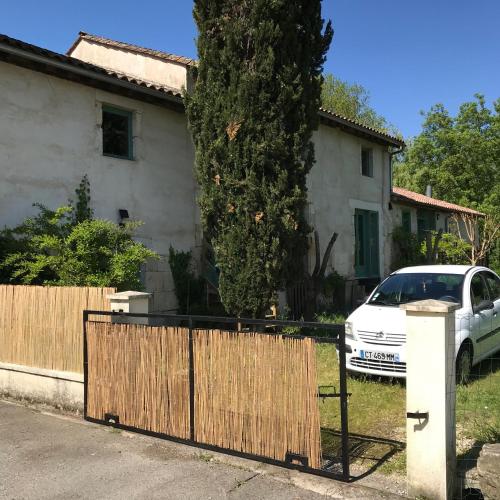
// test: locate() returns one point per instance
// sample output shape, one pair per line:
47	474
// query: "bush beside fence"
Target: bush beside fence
42	326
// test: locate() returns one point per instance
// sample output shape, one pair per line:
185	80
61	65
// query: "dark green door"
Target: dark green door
366	252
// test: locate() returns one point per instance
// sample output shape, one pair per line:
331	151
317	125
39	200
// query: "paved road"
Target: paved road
52	456
45	456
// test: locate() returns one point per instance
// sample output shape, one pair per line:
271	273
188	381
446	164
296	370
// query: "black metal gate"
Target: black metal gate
330	466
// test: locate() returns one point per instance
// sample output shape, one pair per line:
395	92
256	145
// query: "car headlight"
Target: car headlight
349	330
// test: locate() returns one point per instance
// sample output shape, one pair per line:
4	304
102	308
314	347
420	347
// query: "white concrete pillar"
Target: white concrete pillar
130	302
430	388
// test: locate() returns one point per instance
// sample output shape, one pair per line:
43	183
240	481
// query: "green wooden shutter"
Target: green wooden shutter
373	268
359	246
366	246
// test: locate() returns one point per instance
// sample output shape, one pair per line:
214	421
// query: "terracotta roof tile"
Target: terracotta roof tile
133	48
349	121
192	62
77	63
406	195
334	118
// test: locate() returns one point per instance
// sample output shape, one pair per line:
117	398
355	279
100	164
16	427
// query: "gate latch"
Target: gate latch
420	415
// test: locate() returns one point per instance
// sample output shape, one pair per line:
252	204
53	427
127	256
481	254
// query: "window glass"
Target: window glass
493	285
367	162
406	220
478	290
409	287
116	132
426	221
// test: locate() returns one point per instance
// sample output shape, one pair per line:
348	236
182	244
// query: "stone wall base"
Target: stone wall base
54	387
488	468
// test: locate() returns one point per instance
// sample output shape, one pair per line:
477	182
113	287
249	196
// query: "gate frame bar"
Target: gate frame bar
339	340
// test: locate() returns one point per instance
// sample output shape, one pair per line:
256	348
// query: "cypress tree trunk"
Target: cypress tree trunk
252	113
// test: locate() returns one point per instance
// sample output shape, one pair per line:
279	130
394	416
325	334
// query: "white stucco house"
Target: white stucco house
418	213
114	111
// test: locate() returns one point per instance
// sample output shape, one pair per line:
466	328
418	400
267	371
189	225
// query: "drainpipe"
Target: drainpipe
391	154
389	204
386	222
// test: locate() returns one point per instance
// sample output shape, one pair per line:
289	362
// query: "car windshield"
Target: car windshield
409	287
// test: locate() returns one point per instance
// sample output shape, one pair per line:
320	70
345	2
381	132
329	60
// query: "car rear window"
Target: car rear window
409	287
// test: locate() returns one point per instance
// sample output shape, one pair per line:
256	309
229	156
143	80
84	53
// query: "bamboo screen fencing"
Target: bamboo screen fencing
257	394
141	374
42	326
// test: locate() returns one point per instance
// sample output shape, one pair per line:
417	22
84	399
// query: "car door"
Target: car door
493	282
482	321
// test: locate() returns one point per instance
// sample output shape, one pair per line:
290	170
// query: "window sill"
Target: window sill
119	157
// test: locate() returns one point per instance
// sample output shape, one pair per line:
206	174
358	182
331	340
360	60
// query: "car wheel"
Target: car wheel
464	365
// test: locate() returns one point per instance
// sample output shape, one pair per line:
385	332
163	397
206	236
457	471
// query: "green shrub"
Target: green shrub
453	250
90	253
407	249
333	290
325	317
67	247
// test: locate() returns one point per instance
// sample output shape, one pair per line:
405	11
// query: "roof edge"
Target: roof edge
137	49
441	205
343	121
75	43
75	65
42	60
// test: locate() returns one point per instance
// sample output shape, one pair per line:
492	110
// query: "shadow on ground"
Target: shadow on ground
366	453
487	367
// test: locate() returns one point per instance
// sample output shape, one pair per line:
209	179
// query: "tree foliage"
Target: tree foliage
480	233
251	114
407	249
189	288
352	101
459	156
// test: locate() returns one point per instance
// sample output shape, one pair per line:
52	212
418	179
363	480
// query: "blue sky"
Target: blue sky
409	54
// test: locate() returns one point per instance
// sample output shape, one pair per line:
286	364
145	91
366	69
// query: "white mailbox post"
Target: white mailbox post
130	302
430	398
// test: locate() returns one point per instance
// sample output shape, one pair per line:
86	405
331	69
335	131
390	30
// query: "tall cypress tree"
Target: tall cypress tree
252	113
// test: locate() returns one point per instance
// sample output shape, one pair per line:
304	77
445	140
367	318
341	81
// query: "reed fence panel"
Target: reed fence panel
257	394
42	326
141	374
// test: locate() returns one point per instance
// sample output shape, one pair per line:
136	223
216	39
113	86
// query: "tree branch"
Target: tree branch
326	255
316	251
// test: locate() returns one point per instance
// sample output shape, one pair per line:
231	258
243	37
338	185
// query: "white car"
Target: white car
375	332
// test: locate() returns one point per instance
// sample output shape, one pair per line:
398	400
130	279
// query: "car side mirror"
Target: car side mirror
484	305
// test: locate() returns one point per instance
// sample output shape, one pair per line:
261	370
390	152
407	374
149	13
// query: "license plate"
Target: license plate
380	356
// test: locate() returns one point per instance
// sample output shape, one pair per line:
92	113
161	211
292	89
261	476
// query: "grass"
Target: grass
377	408
205	457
